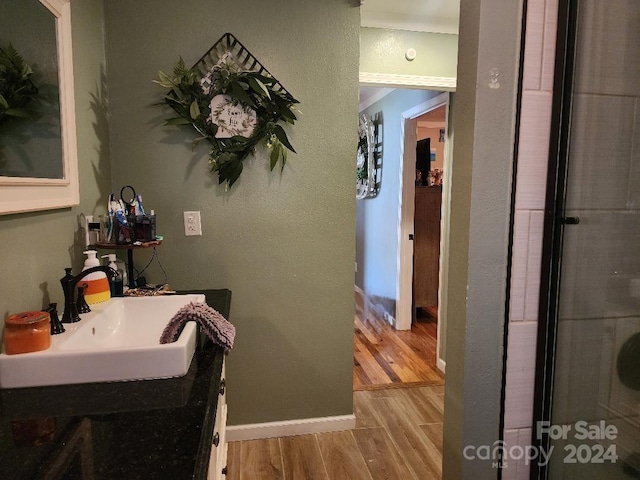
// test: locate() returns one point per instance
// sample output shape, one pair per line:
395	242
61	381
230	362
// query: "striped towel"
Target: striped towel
213	324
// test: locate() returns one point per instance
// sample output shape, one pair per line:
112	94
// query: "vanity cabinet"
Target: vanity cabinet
218	458
164	428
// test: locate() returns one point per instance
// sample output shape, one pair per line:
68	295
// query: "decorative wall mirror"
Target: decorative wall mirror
38	154
367	168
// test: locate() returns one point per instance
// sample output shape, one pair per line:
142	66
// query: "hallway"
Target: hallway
384	357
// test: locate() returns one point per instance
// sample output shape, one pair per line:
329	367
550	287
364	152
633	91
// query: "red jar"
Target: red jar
27	332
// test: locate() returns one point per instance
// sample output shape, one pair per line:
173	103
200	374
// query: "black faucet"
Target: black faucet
69	284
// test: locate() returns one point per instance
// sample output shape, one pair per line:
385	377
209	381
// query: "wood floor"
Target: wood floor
398	436
384	357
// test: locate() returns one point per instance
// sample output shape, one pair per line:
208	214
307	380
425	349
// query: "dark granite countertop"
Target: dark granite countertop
147	429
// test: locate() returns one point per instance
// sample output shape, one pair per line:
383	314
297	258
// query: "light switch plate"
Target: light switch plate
192	224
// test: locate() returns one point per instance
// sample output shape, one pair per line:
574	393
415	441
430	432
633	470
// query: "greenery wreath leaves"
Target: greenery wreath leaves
190	95
16	88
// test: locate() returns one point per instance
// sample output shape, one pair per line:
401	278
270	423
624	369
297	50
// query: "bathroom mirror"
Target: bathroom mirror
38	155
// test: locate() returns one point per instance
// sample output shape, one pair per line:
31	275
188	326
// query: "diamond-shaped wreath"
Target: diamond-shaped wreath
234	103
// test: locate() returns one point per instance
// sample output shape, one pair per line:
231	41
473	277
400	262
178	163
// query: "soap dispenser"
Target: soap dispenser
116	284
97	284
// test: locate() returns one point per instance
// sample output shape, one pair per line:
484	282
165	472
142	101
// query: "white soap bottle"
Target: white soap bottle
96	284
117	283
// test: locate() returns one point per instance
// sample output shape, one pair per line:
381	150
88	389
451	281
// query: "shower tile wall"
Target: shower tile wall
528	226
610	33
600	305
600	300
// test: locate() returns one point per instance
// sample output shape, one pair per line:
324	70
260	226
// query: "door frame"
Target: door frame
553	227
406	210
404	269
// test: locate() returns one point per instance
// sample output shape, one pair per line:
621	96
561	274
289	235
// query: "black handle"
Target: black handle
570	220
81	302
216	439
411	236
56	325
224	470
223	385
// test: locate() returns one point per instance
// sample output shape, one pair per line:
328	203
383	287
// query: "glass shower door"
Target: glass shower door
595	402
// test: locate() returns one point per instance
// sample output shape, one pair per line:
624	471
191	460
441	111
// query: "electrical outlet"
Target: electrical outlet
192	225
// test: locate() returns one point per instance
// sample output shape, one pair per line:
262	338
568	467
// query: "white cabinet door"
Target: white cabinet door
218	458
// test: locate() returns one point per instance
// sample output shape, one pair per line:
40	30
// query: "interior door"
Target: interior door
426	246
405	231
591	348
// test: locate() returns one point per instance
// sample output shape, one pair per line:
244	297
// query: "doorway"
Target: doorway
389	355
431	127
405	310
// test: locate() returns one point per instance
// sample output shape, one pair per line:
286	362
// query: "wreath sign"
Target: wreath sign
232	105
367	181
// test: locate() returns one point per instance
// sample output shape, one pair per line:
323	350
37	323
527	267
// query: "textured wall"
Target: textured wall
36	247
383	51
283	243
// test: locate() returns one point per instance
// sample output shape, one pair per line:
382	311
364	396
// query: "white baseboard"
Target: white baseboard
288	428
441	365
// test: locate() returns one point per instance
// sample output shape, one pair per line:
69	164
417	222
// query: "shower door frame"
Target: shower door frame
554	224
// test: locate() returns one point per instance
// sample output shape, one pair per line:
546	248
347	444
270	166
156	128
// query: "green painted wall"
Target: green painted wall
284	244
36	247
383	51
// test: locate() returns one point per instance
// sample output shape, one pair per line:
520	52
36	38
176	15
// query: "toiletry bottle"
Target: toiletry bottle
122	270
116	284
97	289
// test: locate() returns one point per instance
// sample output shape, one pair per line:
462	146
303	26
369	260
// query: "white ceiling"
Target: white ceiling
439	16
370	95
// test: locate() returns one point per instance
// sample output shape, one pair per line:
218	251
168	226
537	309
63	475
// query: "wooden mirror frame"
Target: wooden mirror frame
18	194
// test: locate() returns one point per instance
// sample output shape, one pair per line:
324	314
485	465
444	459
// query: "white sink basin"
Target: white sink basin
118	340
